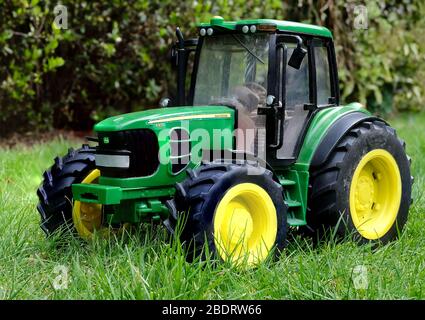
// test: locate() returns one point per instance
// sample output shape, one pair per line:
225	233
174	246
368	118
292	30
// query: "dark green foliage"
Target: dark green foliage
114	56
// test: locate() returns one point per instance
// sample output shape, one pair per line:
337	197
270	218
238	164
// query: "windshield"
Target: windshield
233	70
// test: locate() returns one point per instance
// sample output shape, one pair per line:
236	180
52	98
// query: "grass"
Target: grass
146	266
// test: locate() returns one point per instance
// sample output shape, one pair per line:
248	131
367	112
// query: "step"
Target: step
293	222
293	203
286	182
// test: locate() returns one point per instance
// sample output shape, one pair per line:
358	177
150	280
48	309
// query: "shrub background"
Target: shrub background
114	56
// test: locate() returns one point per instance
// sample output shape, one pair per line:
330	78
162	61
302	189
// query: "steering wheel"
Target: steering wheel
257	88
247	97
229	102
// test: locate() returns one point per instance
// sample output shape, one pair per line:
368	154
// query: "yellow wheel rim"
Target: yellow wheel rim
375	194
245	224
87	217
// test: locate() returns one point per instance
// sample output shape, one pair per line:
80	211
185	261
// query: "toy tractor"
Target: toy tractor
258	144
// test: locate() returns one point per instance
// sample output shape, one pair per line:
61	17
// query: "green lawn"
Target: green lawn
146	266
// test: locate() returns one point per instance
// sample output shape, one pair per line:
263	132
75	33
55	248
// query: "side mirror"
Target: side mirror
164	102
297	57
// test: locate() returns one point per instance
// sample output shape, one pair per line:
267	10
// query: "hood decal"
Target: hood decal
193	116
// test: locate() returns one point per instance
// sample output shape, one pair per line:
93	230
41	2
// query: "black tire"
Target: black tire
328	202
199	195
55	194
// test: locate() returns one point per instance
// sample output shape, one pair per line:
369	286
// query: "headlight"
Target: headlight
112	161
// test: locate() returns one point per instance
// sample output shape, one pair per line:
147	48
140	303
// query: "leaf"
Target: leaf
376	92
109	49
53	63
51	46
348	88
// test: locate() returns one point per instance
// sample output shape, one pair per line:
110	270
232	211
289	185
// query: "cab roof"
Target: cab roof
281	25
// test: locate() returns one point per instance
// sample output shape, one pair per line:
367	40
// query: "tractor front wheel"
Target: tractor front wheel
59	212
235	211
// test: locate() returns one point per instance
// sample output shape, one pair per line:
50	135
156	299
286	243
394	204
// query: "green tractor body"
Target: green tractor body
277	79
138	199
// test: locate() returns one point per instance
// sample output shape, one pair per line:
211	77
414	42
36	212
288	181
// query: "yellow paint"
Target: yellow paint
245	224
375	194
87	217
194	116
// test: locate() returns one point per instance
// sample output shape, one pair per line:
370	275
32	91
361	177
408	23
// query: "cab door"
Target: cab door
296	96
304	91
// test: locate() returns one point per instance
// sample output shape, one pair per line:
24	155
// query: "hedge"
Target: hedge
113	57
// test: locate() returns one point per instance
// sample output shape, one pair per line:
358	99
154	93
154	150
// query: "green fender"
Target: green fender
321	127
327	127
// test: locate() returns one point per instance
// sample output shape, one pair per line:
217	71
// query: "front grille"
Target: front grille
142	145
180	149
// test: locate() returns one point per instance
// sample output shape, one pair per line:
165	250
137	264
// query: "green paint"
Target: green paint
151	208
128	205
141	198
106	194
296	178
295	184
94	193
319	126
281	25
219	129
136	211
147	118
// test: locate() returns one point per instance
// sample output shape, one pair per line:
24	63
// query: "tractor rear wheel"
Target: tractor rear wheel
364	188
235	210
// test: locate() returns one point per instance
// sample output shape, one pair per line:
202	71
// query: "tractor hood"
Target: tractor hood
156	118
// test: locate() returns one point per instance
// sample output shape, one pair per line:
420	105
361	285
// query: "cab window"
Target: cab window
323	80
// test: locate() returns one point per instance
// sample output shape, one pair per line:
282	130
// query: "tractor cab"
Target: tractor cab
275	74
